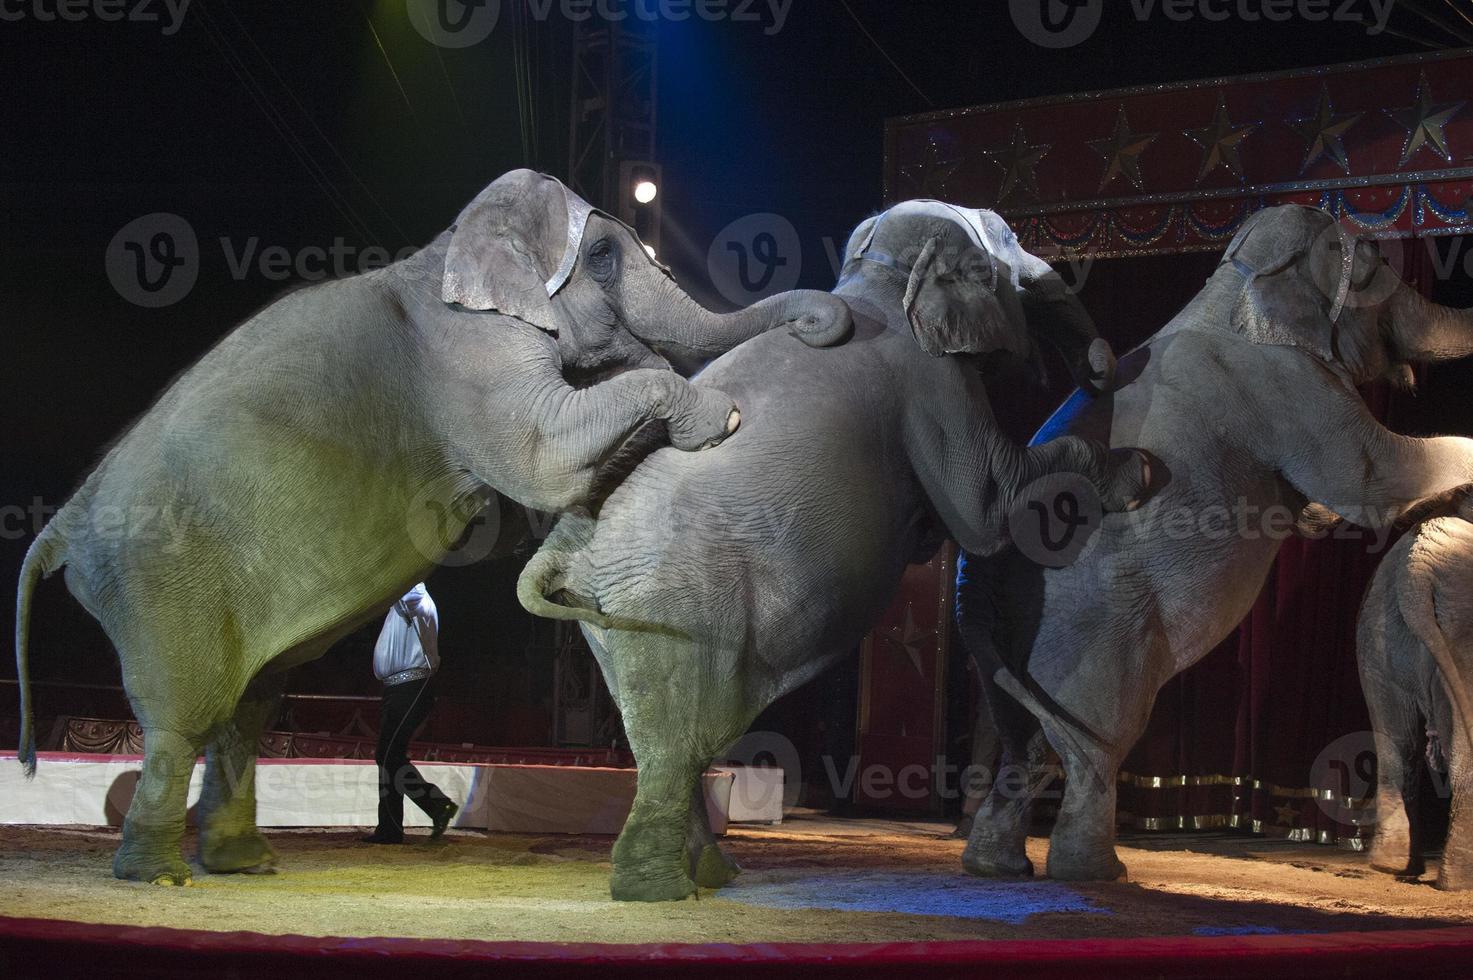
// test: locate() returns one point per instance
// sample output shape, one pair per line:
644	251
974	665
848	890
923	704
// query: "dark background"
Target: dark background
296	124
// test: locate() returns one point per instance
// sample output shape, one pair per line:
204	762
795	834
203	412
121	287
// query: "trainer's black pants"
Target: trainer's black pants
405	707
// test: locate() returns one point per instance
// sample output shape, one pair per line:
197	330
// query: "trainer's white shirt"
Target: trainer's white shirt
408	645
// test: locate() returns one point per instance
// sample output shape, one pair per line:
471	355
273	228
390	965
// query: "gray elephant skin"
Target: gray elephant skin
1247	403
1415	650
334	446
710	584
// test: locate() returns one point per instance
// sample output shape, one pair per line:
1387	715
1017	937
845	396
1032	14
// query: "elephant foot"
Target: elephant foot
715	868
631	887
1101	866
707	424
1394	857
996	863
132	864
245	854
963	827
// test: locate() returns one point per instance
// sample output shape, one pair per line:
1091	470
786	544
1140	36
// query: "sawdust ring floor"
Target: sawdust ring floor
809	880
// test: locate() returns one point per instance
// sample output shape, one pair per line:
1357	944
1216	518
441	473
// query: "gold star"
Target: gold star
930	174
1324	133
1288	814
1219	140
910	639
1425	123
1123	150
1019	163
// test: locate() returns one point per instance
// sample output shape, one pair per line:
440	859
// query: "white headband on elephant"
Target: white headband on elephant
987	230
1347	265
578	212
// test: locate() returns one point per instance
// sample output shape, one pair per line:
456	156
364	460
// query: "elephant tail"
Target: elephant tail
43	558
542	589
1416	596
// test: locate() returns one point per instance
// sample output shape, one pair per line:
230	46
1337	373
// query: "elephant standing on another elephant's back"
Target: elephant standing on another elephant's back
324	455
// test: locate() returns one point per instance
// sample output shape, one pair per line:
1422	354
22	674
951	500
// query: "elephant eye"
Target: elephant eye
601	259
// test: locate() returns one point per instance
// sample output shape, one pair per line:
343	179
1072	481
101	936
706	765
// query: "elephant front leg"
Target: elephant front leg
229	839
154	827
577	432
710	866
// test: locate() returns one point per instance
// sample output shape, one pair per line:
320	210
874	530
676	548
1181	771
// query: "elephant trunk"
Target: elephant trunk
1057	316
1426	332
818	319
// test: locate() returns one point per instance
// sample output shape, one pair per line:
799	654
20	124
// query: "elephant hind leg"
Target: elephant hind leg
1456	870
154	828
680	707
998	838
710	866
1082	846
229	840
1397	722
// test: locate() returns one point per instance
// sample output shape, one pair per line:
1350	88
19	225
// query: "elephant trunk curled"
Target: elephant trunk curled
818	319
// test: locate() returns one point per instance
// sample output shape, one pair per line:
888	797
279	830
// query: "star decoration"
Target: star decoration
1425	123
910	639
1288	815
1219	140
1122	150
930	174
1324	133
1019	163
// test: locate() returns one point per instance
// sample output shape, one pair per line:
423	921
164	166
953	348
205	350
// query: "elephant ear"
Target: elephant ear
513	247
1295	299
953	306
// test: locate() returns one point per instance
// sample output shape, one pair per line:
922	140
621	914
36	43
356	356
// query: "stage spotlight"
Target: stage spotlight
645	191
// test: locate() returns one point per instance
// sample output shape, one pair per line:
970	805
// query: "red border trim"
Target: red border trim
42	946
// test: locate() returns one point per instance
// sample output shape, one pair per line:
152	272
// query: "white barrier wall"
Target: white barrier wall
96	791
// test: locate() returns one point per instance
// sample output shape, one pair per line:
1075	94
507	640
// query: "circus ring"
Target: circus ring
817	897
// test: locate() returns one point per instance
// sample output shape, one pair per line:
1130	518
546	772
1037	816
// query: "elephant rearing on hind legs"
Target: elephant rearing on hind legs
1248	400
712	583
307	465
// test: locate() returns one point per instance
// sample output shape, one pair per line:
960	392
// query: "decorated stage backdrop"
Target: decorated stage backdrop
1269	732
